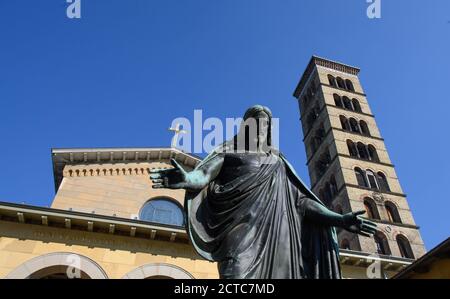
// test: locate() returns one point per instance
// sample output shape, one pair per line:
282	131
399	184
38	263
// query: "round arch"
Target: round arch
158	270
166	198
392	212
371	208
404	246
345	244
58	259
356	105
382	243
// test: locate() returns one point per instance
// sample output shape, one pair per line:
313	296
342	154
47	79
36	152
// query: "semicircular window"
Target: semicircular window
164	211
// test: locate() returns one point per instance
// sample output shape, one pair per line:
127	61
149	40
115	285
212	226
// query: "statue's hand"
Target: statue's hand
174	178
355	224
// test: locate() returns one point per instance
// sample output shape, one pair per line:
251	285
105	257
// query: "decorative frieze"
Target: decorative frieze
98	170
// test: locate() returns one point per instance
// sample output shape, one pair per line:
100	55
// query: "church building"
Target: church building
106	221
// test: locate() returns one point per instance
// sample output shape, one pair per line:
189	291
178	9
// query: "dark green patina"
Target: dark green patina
249	211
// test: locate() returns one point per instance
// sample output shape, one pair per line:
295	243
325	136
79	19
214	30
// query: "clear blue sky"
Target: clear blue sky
121	74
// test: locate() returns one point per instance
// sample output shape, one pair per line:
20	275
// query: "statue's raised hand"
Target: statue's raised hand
355	224
174	178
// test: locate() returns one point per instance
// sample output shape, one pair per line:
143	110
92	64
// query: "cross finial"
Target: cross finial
177	132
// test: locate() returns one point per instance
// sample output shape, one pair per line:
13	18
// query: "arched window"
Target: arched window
373	156
323	163
354	125
311	92
340	82
338	101
317	110
360	177
382	244
332	81
58	265
57	272
352	148
333	186
305	101
371	208
382	182
344	123
356	105
347	103
371	180
311	119
313	115
405	247
318	138
162	210
319	169
320	133
364	128
392	212
345	244
349	85
158	271
362	151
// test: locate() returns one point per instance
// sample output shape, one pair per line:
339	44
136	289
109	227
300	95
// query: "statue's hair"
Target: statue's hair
255	110
232	144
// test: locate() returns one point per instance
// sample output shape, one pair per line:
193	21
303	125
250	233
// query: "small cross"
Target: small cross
177	132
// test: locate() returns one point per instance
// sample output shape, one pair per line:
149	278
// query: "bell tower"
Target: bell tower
347	160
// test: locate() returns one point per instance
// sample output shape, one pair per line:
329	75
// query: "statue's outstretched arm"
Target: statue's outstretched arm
318	213
178	178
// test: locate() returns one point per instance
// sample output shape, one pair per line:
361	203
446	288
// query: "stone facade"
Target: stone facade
323	115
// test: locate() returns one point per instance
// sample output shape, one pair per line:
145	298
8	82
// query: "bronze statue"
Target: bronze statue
249	211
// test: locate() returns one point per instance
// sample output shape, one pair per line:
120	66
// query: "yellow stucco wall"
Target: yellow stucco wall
119	189
438	269
116	255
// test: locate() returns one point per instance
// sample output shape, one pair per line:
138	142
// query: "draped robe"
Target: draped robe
251	220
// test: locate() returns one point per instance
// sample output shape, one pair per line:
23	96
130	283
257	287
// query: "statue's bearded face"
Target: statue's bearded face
263	123
258	137
255	131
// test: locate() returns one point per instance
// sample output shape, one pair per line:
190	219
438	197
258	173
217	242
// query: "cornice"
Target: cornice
318	61
89	156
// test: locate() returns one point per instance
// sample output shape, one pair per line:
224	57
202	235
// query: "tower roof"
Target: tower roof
316	60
